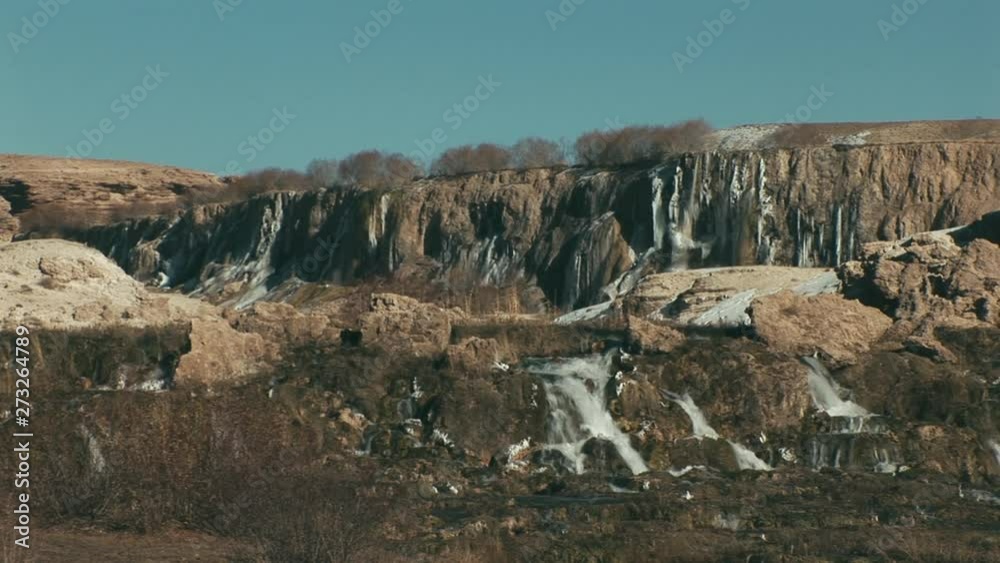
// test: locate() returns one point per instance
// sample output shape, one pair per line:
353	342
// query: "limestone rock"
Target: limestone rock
720	297
800	325
650	337
930	280
220	354
477	355
58	285
9	225
403	324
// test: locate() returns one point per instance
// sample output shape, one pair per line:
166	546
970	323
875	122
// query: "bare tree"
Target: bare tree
639	143
322	172
464	159
373	169
535	152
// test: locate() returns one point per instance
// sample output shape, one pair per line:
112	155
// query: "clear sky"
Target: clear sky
220	72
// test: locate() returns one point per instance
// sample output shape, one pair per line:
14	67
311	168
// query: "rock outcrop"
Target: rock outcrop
570	232
9	225
52	285
800	325
401	324
931	280
75	191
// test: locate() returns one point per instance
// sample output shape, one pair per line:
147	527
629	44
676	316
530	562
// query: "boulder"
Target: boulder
55	285
800	325
402	324
930	280
220	354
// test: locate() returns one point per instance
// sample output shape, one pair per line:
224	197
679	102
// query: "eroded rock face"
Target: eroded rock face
569	233
801	325
403	324
651	338
931	280
720	297
89	190
220	355
55	285
9	225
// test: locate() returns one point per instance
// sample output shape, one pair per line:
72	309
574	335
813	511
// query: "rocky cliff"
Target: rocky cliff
570	232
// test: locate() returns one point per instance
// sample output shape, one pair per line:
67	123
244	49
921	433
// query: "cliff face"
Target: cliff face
570	232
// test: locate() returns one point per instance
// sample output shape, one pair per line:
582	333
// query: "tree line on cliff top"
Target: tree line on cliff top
374	169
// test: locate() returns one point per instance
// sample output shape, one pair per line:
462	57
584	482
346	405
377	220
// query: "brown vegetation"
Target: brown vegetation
639	143
374	169
468	158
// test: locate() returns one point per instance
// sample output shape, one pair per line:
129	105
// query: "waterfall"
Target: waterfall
575	392
855	437
826	394
701	427
745	458
659	214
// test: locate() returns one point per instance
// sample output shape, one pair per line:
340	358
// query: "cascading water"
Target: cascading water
745	458
826	393
575	391
855	434
659	214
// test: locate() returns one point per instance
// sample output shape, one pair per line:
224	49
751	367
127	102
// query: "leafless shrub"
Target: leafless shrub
797	135
323	172
535	152
639	143
468	158
373	169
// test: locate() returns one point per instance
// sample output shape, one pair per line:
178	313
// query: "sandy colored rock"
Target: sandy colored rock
9	225
92	191
59	285
800	325
928	280
220	354
477	355
720	297
403	324
281	322
650	337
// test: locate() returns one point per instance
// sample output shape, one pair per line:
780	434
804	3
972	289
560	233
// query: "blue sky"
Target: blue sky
221	78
